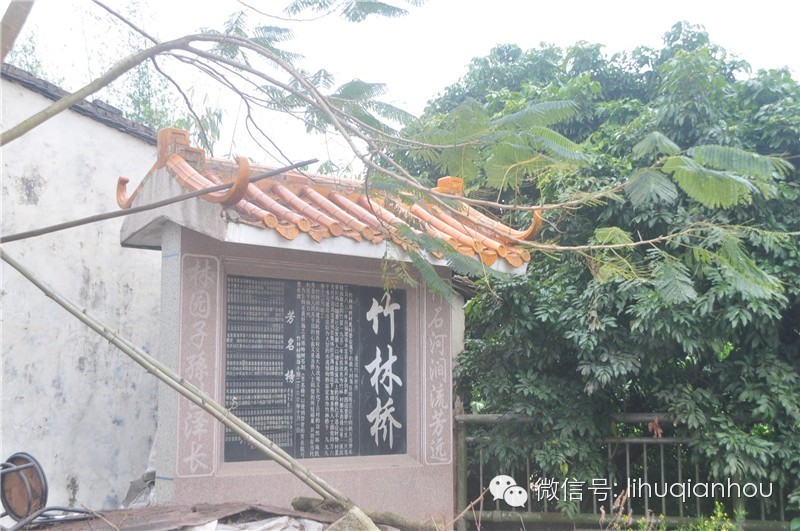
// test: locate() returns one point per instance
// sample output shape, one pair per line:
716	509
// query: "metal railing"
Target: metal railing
646	468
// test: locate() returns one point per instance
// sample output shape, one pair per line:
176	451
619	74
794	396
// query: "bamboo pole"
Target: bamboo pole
13	21
186	389
151	206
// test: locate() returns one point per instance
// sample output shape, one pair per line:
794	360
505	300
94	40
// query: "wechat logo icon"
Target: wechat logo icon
505	488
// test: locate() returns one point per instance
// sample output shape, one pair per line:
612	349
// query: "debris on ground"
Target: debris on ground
200	517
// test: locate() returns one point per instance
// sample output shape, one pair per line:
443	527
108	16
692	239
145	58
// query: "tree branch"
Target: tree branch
71	99
127	22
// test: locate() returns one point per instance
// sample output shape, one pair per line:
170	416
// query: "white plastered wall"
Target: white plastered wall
69	398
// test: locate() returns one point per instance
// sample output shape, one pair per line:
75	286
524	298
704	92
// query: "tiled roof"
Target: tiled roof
96	110
328	208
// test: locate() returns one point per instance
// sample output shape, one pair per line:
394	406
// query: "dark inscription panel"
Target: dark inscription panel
319	368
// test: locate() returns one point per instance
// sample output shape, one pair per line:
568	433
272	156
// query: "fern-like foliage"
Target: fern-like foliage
416	246
555	144
612	264
510	162
655	143
458	263
611	236
760	170
708	187
715	176
542	114
418	243
359	10
459	160
672	281
648	186
358	90
429	275
358	98
742	162
268	37
236	26
455	140
351	10
741	272
505	151
516	153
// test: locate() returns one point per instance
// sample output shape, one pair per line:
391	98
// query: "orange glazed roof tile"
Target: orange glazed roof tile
327	208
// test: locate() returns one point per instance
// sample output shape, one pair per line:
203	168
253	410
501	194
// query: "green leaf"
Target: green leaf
357	99
352	10
468	119
429	275
711	188
358	90
541	114
554	144
742	273
672	281
510	162
359	10
267	36
460	161
654	143
611	236
740	161
648	186
389	112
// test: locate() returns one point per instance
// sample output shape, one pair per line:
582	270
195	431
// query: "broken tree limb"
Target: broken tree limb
187	390
335	508
353	520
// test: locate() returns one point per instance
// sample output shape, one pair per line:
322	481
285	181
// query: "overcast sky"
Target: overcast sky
417	56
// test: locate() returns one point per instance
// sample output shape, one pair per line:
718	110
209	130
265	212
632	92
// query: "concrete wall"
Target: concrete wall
418	484
81	407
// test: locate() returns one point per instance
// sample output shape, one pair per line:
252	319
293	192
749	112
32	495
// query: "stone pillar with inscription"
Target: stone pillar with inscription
438	443
198	431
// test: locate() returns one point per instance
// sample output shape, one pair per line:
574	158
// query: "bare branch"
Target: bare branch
67	101
186	100
286	19
130	24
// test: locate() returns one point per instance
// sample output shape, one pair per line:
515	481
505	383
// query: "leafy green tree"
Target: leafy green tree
25	55
704	326
147	98
679	291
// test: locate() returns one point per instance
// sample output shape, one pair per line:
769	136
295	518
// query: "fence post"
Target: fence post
461	471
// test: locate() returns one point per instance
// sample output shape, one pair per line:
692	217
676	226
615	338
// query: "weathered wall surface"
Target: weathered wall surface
81	407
